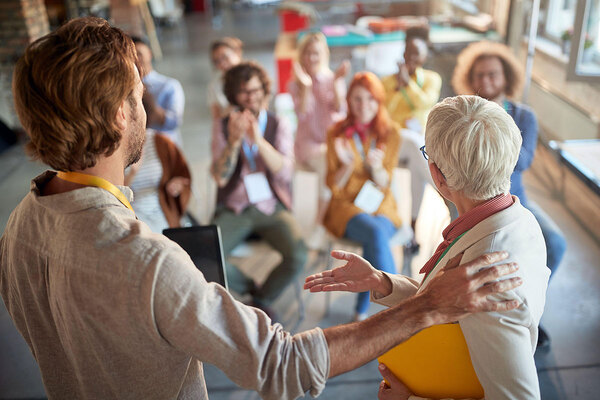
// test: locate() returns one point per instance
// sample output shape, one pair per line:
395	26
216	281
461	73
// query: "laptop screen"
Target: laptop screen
203	244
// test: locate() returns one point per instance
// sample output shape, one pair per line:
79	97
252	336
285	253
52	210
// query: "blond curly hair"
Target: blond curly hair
513	72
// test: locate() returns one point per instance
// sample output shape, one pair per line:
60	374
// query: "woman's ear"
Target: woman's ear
439	179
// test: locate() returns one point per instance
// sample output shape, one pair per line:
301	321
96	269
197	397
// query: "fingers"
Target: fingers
484	261
500	286
389	377
323	274
491	274
342	255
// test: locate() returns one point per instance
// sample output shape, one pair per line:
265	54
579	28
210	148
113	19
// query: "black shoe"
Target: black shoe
543	341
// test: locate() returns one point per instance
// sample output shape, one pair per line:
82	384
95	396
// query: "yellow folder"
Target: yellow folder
435	363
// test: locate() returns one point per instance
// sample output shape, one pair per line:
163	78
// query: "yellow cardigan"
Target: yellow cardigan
341	207
415	100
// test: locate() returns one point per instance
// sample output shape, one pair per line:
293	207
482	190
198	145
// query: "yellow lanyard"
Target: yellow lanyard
91	180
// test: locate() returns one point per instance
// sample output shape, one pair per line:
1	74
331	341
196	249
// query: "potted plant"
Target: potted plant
588	50
565	37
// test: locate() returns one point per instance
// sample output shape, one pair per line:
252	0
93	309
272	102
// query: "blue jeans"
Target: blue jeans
374	233
556	244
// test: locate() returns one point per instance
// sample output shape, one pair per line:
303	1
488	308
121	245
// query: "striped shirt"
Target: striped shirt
145	186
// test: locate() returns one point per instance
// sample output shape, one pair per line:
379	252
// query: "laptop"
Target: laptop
204	246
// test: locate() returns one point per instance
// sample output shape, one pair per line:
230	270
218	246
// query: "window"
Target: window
584	58
559	19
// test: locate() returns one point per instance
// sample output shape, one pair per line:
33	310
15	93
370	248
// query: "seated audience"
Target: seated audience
491	70
253	163
167	93
160	180
319	101
472	146
362	151
224	54
410	94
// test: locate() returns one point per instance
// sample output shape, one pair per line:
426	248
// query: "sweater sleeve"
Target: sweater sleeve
203	320
527	124
423	98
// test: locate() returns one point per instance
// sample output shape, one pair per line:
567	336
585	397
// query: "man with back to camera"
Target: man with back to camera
110	309
492	71
167	94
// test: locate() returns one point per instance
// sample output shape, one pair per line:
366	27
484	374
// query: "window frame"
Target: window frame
582	11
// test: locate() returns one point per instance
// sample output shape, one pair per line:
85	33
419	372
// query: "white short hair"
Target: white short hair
475	143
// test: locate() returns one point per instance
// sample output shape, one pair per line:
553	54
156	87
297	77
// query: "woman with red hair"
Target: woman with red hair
362	151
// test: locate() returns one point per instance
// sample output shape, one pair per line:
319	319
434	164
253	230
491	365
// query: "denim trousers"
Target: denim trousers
373	232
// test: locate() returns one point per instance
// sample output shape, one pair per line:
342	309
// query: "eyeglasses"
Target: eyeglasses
250	92
425	155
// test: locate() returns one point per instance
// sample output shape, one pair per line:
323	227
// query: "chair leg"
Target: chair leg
328	266
301	309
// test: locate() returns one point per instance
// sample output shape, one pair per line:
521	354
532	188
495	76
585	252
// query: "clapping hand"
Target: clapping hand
301	76
253	131
176	185
375	159
344	151
342	70
236	127
357	275
402	76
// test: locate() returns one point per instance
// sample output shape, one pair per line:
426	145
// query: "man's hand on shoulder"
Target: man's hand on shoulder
460	290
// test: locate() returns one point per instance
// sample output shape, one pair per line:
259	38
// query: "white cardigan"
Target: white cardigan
501	344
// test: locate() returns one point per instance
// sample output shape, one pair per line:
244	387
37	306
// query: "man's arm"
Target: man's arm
424	98
451	295
528	126
170	112
225	154
278	157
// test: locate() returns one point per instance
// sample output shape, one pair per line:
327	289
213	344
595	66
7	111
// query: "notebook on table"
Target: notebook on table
435	363
205	248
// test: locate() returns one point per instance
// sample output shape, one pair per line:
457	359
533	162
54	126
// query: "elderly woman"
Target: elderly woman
472	148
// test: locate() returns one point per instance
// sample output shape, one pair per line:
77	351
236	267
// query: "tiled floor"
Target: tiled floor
570	369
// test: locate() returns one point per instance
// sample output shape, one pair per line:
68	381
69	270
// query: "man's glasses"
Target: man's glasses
251	92
425	155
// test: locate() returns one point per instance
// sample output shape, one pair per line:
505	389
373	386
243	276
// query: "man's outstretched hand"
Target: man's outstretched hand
357	275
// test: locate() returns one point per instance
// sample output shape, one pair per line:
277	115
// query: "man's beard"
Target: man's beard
136	141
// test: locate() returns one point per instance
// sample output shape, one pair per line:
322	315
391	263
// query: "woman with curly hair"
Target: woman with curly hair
492	71
362	151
